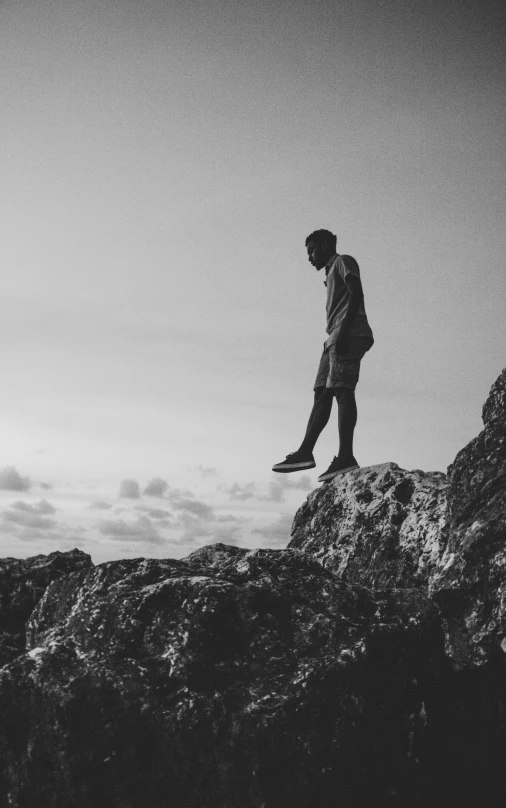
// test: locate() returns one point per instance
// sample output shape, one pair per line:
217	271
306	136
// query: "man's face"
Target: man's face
318	254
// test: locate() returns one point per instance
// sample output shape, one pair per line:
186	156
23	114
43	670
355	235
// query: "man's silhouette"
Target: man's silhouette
350	336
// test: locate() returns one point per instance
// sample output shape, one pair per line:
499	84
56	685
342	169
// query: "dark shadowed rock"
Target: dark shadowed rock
362	667
383	526
470	582
23	581
231	678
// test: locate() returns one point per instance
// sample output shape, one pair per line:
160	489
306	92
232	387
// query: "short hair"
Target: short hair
321	236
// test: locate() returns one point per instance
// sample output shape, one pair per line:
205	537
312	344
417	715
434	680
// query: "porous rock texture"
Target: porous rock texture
361	667
22	584
231	678
379	526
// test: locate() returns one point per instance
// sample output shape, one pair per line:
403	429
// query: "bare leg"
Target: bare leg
319	417
346	419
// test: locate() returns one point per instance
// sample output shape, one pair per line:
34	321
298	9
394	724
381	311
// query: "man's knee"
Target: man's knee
343	393
321	393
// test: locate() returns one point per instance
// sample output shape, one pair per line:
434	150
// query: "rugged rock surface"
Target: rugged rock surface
231	678
362	667
379	526
22	584
384	526
470	583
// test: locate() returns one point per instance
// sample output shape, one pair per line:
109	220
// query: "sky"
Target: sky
162	164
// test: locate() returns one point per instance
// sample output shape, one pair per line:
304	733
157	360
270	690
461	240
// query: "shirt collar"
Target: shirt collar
330	262
328	266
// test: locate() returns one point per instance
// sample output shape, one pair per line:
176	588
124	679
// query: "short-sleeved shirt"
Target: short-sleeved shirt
337	270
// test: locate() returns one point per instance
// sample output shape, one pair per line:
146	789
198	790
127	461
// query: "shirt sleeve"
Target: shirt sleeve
347	265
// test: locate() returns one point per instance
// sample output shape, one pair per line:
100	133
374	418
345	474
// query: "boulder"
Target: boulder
362	667
383	526
23	581
379	526
470	582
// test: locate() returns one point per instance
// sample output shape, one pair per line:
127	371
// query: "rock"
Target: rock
383	526
230	678
470	582
362	667
379	526
22	583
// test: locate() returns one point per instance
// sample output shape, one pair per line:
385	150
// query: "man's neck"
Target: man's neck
327	265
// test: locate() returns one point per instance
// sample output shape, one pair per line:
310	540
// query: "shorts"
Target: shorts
342	371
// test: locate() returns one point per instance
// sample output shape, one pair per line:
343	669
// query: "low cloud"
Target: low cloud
34	529
11	480
42	508
26	518
304	483
195	507
155	513
156	487
177	494
277	488
278	533
101	505
243	492
275	492
142	530
207	472
230	534
194	528
229	517
129	489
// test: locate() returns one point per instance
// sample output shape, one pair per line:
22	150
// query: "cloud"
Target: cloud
142	530
207	472
276	492
304	483
155	513
228	535
43	507
46	486
194	507
243	492
129	489
278	533
101	505
156	487
276	489
176	494
27	519
229	517
11	480
194	528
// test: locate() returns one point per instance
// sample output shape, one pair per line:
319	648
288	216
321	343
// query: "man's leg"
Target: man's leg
318	419
346	420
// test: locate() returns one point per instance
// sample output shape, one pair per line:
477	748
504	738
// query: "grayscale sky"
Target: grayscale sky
162	164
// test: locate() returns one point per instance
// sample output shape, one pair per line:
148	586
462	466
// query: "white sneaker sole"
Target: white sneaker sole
285	468
324	477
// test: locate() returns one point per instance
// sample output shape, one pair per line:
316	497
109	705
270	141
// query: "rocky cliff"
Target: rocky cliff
362	666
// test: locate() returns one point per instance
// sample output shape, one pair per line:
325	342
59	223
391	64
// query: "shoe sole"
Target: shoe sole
286	469
323	478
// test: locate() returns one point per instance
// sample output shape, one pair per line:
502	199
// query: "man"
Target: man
350	336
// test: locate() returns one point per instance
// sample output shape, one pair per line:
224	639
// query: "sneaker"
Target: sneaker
295	461
337	467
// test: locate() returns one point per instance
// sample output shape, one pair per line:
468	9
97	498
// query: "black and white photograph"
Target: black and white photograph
252	404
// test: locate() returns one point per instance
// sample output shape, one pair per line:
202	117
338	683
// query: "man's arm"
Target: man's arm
356	295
